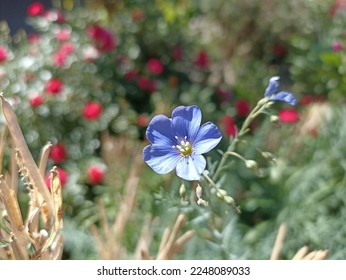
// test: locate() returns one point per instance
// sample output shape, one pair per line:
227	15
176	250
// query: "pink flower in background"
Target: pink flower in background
288	116
155	66
35	9
54	16
95	175
202	60
58	153
59	59
67	48
36	101
242	107
3	54
63	35
90	54
337	46
54	86
63	175
92	110
103	38
229	126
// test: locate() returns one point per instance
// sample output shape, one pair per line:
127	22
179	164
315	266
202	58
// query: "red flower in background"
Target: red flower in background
63	175
202	60
242	107
288	116
130	75
3	54
92	110
223	95
279	50
58	153
142	120
229	126
103	38
34	38
54	86
146	84
95	175
36	101
155	66
309	99
35	9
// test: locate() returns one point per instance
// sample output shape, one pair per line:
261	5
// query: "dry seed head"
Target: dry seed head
24	172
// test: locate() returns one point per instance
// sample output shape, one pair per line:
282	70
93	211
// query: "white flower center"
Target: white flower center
184	146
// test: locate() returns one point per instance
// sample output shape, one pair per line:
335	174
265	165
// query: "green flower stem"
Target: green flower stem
260	107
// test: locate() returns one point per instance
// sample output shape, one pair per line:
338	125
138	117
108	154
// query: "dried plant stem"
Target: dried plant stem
19	237
170	243
110	246
20	144
302	253
279	242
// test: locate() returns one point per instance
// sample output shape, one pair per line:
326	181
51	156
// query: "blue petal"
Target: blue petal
160	131
272	87
190	168
206	139
285	97
161	159
186	121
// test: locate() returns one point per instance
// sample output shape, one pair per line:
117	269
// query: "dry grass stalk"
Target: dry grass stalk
302	254
171	243
24	239
109	237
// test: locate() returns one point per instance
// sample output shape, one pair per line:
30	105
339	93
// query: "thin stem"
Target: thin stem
259	108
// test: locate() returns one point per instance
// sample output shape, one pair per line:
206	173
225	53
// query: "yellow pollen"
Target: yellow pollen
185	148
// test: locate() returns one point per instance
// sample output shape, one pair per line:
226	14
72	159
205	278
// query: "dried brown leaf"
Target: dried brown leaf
28	161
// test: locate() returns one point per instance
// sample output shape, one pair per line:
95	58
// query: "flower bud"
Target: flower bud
182	190
199	192
229	200
269	104
220	193
251	164
274	118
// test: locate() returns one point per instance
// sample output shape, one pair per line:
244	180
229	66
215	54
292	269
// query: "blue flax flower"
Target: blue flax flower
179	142
271	92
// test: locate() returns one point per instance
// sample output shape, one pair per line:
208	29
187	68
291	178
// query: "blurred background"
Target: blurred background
88	76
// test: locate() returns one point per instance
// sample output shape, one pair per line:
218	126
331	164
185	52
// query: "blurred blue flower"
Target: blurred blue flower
179	142
271	92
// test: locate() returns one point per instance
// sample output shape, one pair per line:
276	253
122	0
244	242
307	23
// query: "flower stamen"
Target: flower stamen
185	148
